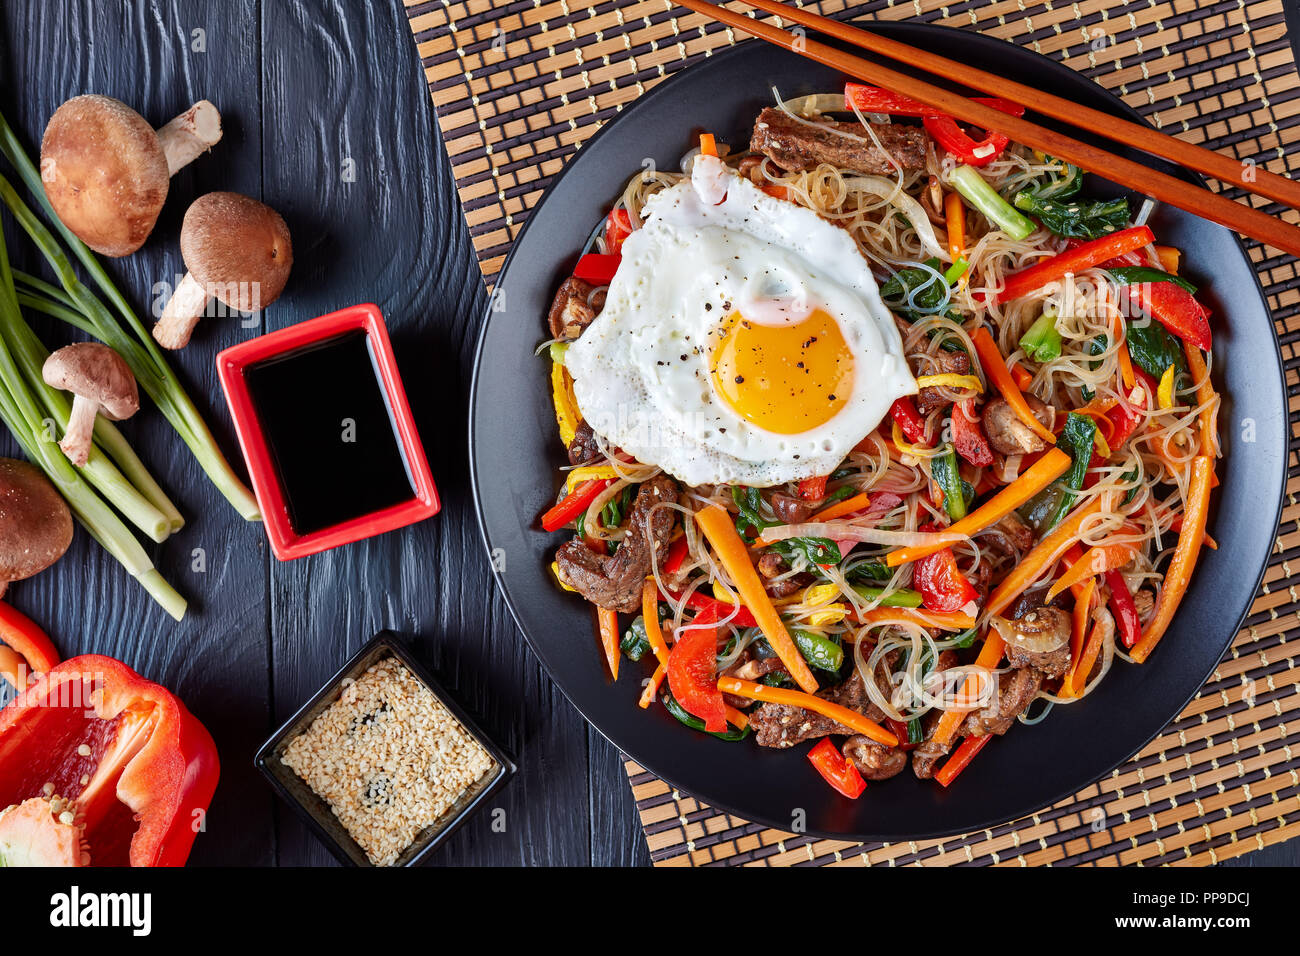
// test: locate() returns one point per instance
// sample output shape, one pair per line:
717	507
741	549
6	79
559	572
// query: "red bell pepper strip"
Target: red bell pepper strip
1122	606
1084	256
1127	415
948	133
961	758
574	503
909	420
942	585
813	489
693	673
720	610
876	99
596	268
28	640
150	767
968	437
836	770
676	555
900	730
1173	307
618	226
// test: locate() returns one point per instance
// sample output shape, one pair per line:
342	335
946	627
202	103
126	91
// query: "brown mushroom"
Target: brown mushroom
106	171
35	523
237	250
103	385
1007	433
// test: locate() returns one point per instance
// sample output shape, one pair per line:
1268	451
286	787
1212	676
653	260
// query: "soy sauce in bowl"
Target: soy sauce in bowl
330	432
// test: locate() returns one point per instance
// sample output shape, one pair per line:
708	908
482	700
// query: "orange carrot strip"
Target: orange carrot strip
708	144
650	612
1169	257
1204	392
1098	560
1043	472
737	718
609	637
652	686
1077	678
955	219
943	620
1183	562
990	656
1042	555
1078	632
1022	377
841	508
996	370
720	530
818	705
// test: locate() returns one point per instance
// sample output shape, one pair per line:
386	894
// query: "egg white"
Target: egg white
641	370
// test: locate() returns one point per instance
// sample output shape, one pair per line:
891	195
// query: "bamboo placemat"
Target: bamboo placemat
520	85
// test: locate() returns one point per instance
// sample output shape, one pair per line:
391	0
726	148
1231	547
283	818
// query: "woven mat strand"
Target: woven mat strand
519	86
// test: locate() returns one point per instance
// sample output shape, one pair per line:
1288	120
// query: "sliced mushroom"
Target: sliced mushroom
35	523
237	250
874	760
1040	639
1007	433
103	385
106	171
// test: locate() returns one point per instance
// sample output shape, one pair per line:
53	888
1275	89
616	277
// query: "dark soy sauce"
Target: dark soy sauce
335	447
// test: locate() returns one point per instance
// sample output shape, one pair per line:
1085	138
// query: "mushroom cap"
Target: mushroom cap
35	523
237	248
94	371
104	172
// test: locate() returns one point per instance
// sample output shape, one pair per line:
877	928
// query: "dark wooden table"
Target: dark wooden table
327	119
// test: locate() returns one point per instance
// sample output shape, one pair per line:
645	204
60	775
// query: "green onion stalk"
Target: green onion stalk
25	418
141	352
976	190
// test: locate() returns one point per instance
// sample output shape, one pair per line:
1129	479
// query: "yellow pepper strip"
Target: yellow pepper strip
1165	392
831	614
566	409
951	381
900	442
1169	258
588	473
555	569
821	594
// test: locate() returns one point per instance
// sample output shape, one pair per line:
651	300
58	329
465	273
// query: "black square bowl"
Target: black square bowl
317	813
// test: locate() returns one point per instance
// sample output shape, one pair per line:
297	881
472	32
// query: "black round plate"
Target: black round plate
515	456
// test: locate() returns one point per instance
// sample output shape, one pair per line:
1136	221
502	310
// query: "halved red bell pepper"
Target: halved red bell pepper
1173	307
909	420
618	226
836	770
574	503
813	489
597	268
968	436
942	585
693	673
1074	260
150	768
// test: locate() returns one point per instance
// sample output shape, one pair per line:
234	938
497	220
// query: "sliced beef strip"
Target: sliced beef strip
576	305
584	449
874	760
928	754
615	581
1037	624
796	146
930	398
1016	690
1010	536
782	726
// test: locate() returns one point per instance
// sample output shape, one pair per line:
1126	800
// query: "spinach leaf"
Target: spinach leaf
868	571
943	469
1062	181
1046	509
1076	219
813	550
1153	348
1125	275
750	503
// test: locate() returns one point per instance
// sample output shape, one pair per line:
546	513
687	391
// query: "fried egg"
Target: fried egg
743	339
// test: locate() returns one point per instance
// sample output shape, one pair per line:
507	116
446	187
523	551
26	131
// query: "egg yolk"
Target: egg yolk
783	378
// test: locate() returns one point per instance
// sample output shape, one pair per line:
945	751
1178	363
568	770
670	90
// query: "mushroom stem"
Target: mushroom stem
190	135
183	311
81	427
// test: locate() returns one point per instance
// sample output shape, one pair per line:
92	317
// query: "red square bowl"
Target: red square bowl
233	366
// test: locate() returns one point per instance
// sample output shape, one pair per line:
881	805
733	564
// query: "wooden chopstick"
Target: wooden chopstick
1225	168
1167	189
